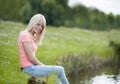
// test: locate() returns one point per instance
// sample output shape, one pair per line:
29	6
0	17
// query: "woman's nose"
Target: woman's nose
40	27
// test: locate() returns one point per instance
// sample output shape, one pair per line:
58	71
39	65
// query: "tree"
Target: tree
10	10
111	20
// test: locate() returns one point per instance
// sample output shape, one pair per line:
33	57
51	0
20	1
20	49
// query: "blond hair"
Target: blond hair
33	21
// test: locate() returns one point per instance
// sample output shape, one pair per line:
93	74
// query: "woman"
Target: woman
28	42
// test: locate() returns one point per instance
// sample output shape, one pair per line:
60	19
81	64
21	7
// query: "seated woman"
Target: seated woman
28	41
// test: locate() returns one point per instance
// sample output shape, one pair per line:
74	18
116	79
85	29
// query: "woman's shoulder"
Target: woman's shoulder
24	34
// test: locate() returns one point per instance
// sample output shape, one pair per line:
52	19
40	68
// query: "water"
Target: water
104	75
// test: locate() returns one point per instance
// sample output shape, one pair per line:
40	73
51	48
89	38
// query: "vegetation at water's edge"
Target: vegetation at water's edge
58	42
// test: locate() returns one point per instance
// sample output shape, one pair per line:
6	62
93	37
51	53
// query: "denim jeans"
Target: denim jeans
45	70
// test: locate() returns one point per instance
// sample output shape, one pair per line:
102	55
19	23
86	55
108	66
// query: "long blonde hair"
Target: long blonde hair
33	21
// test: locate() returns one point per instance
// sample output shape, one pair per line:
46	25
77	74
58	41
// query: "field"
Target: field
58	42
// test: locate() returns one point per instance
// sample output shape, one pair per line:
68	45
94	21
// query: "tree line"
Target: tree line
58	13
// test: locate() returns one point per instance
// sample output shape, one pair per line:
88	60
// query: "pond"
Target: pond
103	75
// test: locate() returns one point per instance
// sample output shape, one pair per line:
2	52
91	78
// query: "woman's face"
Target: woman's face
37	28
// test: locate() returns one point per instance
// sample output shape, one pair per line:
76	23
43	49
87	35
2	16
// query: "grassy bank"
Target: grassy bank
58	42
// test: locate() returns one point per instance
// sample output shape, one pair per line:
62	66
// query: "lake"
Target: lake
103	75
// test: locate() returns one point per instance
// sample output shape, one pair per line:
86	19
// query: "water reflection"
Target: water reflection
105	79
104	75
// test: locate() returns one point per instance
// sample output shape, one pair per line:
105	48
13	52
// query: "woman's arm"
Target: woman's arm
28	49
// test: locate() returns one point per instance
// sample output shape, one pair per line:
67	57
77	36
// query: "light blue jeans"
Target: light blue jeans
45	70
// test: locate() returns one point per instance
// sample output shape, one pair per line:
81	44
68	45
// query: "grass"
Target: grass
57	43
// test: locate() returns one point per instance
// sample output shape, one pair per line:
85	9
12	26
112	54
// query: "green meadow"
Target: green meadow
58	42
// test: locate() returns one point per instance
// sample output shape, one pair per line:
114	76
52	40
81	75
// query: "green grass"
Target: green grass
57	43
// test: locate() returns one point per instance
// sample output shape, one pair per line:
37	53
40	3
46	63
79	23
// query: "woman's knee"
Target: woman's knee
61	68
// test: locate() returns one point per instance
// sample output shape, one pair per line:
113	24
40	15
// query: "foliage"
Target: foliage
57	13
10	10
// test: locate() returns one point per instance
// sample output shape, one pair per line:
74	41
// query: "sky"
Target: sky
106	6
